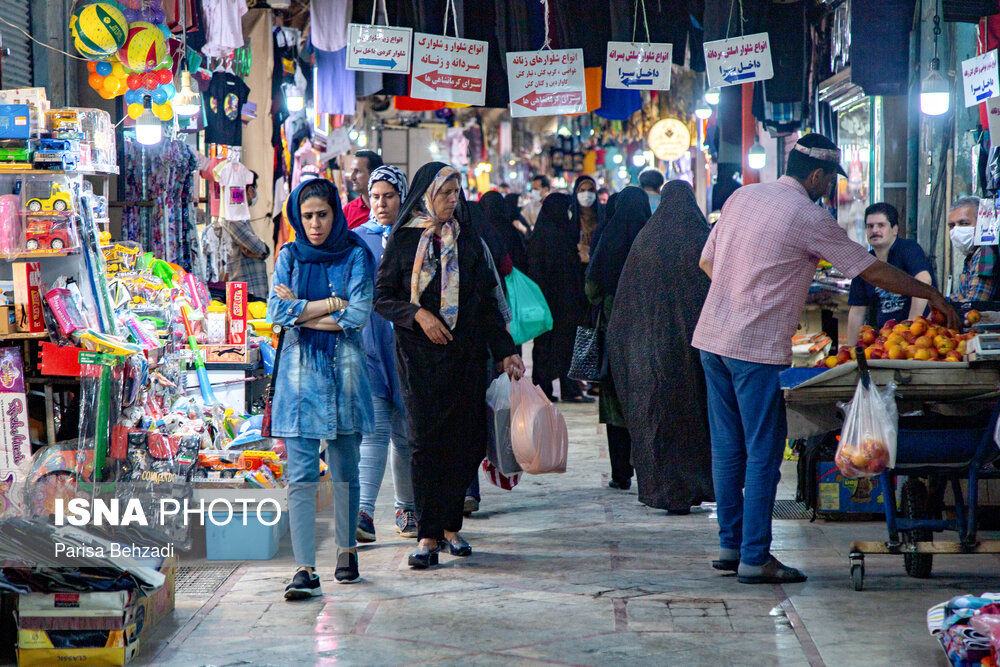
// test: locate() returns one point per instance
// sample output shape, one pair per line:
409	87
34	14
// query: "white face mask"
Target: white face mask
962	238
586	198
535	196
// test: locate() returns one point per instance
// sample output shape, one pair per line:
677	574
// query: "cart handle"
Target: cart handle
866	378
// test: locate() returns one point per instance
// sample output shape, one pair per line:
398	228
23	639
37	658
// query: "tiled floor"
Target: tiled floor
567	571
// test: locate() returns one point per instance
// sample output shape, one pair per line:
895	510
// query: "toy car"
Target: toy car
57	200
63	124
56	154
15	150
47	234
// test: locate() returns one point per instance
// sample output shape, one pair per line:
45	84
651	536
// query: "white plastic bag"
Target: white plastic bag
538	430
868	439
499	450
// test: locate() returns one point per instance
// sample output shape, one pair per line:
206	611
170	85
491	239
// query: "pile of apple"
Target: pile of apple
920	339
865	460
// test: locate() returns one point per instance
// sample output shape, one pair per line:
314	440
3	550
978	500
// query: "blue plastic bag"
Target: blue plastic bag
532	316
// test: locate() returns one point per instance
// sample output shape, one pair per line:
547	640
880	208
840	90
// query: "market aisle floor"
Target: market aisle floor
566	571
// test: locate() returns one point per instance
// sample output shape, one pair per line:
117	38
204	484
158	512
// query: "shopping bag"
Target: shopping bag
499	450
531	313
498	479
538	430
868	439
590	361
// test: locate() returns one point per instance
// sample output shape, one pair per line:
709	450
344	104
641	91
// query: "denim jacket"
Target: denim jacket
334	399
380	344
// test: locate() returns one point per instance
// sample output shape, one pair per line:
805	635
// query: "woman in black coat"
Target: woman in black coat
554	264
436	287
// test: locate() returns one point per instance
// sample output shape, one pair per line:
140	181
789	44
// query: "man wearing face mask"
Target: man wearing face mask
979	280
761	257
247	261
540	188
882	229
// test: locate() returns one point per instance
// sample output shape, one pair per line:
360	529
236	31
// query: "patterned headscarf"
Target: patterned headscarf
395	177
424	266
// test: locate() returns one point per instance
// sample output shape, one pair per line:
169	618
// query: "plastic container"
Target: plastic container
234	541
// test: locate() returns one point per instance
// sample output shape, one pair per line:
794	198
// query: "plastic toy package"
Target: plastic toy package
10	226
45	234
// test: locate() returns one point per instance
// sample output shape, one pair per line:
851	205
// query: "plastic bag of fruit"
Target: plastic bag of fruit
868	439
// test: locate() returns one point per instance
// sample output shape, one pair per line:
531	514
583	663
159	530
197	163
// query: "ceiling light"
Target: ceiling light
188	101
148	128
756	156
712	96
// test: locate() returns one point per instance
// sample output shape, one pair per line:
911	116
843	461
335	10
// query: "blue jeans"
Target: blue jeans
746	415
390	421
303	480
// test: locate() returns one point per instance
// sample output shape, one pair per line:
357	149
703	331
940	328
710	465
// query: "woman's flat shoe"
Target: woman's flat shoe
424	557
457	546
347	568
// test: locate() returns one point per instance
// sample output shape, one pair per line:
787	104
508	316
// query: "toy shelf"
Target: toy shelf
25	336
44	254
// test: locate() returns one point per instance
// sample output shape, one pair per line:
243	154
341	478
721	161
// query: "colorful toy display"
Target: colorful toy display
58	199
52	233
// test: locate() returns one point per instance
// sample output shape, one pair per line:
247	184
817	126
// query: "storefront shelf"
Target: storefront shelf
25	336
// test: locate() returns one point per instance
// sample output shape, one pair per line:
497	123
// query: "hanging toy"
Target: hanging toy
99	29
145	48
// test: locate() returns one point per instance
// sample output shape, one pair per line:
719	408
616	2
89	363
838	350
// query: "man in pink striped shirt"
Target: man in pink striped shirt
761	256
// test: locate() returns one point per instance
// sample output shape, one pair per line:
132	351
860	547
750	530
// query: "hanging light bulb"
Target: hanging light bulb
935	90
638	159
148	128
712	96
188	100
512	175
294	99
756	156
362	140
618	159
703	111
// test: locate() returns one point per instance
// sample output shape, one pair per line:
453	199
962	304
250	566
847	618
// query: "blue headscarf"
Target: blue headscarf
313	283
397	179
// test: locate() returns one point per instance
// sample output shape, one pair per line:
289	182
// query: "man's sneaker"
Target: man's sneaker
366	528
304	585
471	505
347	568
406	523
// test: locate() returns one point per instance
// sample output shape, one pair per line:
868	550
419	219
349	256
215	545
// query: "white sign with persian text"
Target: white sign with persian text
729	62
987	225
638	66
546	83
378	48
979	78
449	69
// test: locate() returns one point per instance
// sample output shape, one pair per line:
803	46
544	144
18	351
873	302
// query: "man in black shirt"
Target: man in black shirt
881	227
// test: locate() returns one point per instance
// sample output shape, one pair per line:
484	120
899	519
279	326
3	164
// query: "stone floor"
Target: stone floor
567	571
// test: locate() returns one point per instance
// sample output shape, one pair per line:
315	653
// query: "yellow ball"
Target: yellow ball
145	48
110	84
117	69
163	111
134	111
99	27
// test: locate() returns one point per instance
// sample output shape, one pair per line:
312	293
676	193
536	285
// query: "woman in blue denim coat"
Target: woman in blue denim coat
323	284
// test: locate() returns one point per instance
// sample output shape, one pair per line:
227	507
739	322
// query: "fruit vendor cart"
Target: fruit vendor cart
948	415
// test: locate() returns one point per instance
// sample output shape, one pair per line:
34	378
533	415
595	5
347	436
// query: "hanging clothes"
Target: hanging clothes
224	26
328	23
333	83
649	349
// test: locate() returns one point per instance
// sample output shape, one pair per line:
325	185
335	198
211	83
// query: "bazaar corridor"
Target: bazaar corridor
568	572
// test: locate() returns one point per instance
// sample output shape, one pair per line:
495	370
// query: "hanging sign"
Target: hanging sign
546	83
638	66
979	78
669	139
987	225
738	60
378	48
449	69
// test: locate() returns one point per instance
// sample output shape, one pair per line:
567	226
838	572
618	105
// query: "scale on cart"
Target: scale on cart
985	346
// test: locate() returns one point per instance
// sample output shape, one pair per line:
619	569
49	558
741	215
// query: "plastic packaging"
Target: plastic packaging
10	225
868	438
499	449
531	314
539	436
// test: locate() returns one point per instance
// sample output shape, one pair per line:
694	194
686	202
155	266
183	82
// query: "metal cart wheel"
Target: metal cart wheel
913	505
858	576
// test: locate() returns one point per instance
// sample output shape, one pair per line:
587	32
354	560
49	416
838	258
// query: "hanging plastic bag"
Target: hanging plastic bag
499	449
498	479
868	439
532	316
538	430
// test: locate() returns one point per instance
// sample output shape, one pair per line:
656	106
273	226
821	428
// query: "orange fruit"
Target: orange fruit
924	342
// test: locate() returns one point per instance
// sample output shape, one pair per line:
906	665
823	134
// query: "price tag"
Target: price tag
449	69
739	60
546	83
638	66
979	78
378	48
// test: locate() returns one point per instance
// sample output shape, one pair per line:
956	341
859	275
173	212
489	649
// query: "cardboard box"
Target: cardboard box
7	319
15	121
36	100
15	441
107	628
236	313
229	354
842	495
28	297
